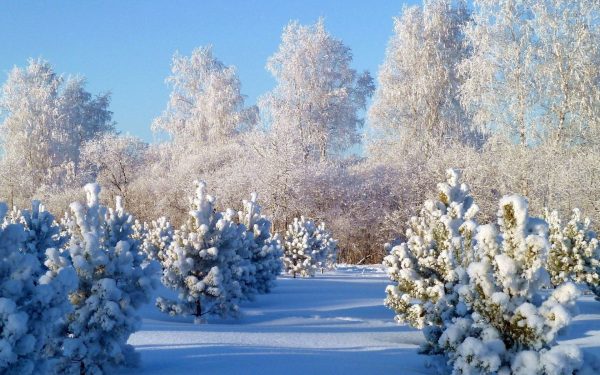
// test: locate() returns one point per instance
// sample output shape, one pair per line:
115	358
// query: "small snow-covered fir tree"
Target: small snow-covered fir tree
114	281
199	263
328	248
45	239
302	248
41	229
511	329
574	251
431	265
265	248
155	237
242	268
31	306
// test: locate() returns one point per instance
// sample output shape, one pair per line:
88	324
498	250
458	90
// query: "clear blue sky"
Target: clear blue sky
125	47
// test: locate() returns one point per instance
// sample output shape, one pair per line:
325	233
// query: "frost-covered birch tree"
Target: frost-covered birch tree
205	111
45	121
417	95
318	96
498	88
568	73
206	104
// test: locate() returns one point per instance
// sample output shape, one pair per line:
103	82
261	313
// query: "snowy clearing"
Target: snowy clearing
332	324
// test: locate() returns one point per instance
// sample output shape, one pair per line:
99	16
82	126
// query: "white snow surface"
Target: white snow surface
331	324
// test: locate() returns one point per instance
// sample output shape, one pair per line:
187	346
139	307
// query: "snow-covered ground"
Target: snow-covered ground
332	324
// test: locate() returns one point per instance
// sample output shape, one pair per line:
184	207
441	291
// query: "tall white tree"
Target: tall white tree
568	72
45	120
417	96
206	104
318	95
498	91
204	119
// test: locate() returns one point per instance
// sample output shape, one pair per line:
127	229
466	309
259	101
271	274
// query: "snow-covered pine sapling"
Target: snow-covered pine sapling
198	263
301	248
328	248
114	281
137	276
574	251
266	249
45	239
243	269
31	306
512	329
42	231
431	265
155	237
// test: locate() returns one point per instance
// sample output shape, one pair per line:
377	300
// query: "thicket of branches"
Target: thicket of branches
507	91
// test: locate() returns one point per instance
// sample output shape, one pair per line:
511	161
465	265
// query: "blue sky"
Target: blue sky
125	47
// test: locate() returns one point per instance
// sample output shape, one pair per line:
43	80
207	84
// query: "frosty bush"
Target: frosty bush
328	248
574	251
306	247
155	237
265	249
114	281
201	261
511	329
430	266
243	270
32	300
41	230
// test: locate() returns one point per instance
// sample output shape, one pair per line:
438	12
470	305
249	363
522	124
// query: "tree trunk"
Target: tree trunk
198	309
81	368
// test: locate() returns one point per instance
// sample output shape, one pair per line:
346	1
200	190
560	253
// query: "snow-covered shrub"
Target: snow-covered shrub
115	279
328	248
199	263
32	302
430	266
243	270
302	248
574	251
41	230
265	248
155	237
512	329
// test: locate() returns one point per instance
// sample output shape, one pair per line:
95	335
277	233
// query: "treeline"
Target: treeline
507	91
